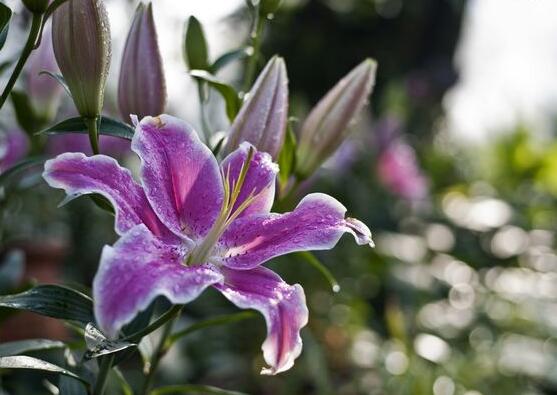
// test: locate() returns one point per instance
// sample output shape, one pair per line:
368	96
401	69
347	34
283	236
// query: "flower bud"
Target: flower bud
262	118
44	92
141	88
81	41
328	123
36	6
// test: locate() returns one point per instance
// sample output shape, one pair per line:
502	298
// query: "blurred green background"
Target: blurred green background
459	297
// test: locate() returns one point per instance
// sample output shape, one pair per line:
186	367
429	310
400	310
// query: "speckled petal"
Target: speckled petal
78	174
317	223
137	269
260	178
282	305
180	175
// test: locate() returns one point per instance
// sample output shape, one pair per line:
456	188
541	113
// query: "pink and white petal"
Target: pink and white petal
137	269
317	223
78	174
180	175
282	305
260	178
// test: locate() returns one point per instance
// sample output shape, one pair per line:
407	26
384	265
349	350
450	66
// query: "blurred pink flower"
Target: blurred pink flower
14	145
399	172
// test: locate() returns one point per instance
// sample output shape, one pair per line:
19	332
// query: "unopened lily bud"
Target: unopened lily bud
36	6
328	123
44	92
81	41
262	118
141	88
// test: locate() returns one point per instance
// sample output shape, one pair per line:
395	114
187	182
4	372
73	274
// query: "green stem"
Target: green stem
106	365
256	36
202	111
34	34
93	127
156	358
163	319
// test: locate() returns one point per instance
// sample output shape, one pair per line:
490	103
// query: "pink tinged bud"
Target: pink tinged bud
44	92
81	41
328	123
262	118
141	88
399	172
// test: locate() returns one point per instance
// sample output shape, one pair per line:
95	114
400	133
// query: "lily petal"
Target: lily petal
260	178
282	305
137	269
78	174
317	223
180	175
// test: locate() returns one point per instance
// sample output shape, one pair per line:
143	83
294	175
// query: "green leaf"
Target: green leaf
69	386
98	345
25	362
195	46
316	263
19	167
221	320
58	78
24	346
5	15
25	114
52	301
228	93
287	157
124	386
193	389
229	57
109	127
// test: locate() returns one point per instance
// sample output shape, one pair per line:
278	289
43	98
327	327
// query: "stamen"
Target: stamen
227	214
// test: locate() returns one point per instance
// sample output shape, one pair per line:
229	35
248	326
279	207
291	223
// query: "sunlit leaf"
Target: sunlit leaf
25	362
229	57
195	46
228	93
5	15
24	346
52	301
108	127
287	157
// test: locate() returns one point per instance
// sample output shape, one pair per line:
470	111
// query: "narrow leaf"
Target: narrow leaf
108	127
25	362
6	176
24	346
228	93
287	157
221	320
25	113
195	46
58	78
5	15
52	301
316	263
229	57
193	389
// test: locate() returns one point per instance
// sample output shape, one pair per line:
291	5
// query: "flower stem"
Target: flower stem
157	356
163	319
203	113
256	34
106	365
34	34
93	127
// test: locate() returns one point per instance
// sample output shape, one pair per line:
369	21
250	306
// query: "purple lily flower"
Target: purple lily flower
192	224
